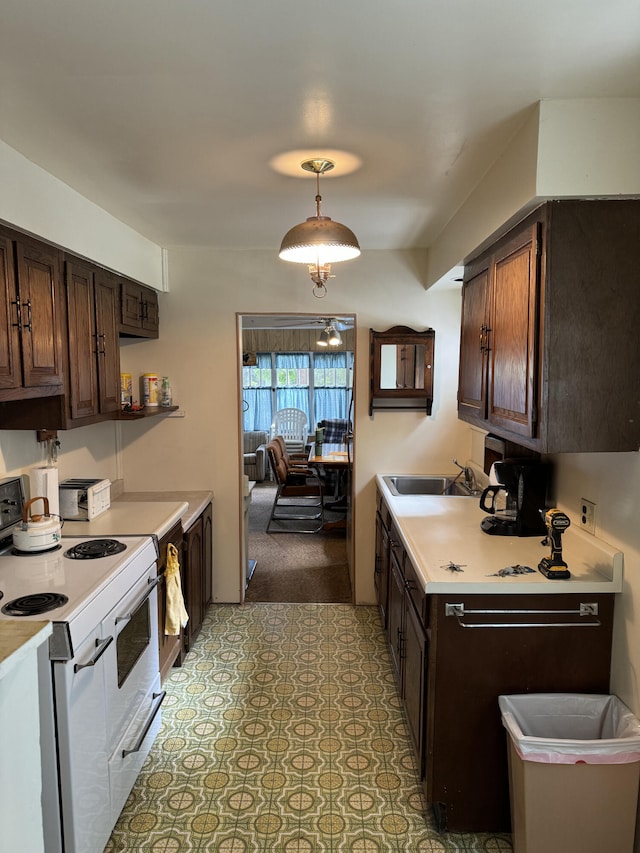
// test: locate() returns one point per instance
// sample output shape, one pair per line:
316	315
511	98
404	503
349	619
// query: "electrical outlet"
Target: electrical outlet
587	515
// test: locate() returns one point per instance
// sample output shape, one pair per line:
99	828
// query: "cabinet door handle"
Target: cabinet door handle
584	609
18	322
484	338
27	325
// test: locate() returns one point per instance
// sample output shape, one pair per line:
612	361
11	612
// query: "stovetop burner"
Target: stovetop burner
33	605
94	548
16	552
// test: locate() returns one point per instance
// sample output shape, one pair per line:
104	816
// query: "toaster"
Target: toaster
84	500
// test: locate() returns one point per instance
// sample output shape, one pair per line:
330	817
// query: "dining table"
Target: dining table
332	457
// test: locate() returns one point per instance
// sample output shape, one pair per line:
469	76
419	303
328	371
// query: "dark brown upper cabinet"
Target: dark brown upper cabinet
549	355
94	348
401	369
139	314
31	358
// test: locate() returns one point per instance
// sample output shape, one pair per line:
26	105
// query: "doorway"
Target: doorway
285	365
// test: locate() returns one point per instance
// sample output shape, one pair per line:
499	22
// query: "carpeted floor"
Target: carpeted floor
295	567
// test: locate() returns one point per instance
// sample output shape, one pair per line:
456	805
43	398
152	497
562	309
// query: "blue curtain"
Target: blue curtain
328	402
331	403
257	401
291	397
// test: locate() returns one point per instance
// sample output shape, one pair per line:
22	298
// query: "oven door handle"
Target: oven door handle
138	745
101	648
152	585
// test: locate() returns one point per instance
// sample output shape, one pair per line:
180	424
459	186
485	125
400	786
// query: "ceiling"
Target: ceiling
168	113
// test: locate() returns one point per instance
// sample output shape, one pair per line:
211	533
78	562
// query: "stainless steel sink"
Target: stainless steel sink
416	484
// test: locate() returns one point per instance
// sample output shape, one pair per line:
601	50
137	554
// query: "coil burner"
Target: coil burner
93	549
34	604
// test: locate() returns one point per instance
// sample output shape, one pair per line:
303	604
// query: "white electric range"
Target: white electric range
99	677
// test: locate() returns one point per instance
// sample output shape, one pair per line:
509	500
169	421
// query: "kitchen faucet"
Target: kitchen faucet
469	476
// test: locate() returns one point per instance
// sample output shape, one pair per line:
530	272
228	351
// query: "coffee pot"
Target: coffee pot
496	498
515	497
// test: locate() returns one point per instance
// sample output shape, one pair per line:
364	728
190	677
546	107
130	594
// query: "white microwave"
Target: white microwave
84	500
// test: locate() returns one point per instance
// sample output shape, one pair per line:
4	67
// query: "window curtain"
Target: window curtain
288	397
331	403
257	401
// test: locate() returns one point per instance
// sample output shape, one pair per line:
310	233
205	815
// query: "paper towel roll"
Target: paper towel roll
44	483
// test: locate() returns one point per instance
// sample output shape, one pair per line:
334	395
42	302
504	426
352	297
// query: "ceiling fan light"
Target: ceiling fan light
334	337
323	340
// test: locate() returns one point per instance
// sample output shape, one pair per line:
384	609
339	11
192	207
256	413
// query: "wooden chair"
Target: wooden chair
299	493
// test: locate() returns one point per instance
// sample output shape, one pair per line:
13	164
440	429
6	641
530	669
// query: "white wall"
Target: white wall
589	147
612	482
566	148
86	452
198	350
34	201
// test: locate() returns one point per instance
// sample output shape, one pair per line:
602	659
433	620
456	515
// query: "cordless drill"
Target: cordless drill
554	567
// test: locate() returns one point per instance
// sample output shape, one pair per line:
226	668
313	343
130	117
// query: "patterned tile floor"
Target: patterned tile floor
283	733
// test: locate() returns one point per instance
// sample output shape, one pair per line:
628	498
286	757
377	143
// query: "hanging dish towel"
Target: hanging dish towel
176	615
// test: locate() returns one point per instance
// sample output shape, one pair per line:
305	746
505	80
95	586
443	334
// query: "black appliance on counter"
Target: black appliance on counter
523	483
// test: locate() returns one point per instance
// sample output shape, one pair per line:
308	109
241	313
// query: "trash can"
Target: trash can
574	772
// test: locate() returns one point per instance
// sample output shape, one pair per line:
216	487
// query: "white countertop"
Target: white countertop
143	513
17	639
437	531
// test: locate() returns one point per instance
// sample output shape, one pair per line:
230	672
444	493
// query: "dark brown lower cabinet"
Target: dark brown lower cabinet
471	664
381	571
207	553
408	644
451	668
170	647
197	572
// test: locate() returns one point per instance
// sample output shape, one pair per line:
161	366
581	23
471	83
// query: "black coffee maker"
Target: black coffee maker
523	484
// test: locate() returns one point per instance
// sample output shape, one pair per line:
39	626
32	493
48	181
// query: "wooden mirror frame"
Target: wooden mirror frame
402	396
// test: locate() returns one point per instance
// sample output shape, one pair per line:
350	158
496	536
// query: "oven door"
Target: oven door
132	664
82	751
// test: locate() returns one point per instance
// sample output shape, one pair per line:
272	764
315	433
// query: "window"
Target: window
319	383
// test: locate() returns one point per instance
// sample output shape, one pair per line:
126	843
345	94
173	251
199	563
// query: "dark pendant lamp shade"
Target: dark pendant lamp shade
319	241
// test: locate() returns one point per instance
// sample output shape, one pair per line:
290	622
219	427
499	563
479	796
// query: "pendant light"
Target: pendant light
319	241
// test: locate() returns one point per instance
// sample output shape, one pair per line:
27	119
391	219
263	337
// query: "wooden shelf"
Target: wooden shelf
147	412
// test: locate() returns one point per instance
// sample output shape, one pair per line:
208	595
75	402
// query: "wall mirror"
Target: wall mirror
401	370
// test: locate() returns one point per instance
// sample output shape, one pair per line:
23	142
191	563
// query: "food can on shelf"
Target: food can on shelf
150	389
126	389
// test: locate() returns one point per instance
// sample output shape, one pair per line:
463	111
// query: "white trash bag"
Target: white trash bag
571	728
